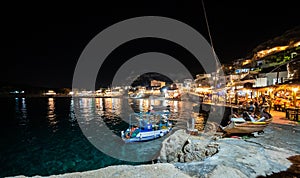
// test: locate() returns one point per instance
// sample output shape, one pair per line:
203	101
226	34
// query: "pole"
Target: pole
277	77
212	47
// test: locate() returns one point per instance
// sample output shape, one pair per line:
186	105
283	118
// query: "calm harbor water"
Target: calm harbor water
41	136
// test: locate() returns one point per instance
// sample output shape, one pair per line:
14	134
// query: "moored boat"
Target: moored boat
246	127
146	126
247	124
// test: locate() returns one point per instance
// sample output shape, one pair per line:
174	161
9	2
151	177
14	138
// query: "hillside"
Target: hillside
287	38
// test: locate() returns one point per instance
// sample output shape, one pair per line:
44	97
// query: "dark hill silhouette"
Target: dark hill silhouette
145	79
288	37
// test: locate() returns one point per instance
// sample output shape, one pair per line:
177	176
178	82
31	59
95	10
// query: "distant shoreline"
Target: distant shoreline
53	96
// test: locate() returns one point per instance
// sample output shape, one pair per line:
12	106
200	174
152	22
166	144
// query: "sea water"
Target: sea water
41	136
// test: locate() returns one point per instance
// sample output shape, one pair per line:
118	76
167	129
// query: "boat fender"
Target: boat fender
161	134
127	135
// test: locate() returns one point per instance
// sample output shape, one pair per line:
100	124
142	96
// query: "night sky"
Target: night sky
42	44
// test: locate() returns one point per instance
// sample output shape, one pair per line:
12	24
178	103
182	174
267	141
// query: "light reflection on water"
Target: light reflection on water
102	120
51	115
109	111
21	111
41	136
106	111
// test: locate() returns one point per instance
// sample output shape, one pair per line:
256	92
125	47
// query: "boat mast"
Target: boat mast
212	47
213	50
208	29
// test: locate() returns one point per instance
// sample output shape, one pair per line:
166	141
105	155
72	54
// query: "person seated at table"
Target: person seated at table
244	105
251	107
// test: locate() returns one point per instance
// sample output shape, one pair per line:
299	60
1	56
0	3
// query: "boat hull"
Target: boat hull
146	136
246	127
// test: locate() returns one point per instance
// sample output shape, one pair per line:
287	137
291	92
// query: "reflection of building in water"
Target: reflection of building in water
99	103
86	104
86	108
112	105
51	114
115	102
165	102
155	102
72	111
21	111
107	103
175	105
51	107
116	105
144	105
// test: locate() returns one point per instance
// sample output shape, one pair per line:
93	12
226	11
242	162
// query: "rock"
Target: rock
211	151
160	170
194	156
171	150
211	128
226	172
193	149
236	157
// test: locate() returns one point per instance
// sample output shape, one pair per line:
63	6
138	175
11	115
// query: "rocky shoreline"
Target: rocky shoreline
210	155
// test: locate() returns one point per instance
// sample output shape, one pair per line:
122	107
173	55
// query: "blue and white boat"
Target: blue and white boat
147	126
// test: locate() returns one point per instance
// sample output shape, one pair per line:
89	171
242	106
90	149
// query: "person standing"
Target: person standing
263	97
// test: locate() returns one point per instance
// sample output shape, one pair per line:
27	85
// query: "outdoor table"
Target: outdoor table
277	107
292	111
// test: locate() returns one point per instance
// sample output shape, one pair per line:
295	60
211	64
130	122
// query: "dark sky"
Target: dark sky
42	43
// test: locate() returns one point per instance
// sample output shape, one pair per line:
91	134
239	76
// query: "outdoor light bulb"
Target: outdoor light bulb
295	90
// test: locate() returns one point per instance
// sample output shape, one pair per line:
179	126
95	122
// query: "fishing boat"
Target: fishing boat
147	126
247	124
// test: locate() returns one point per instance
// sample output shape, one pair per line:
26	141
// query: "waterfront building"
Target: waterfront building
187	84
156	84
50	93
